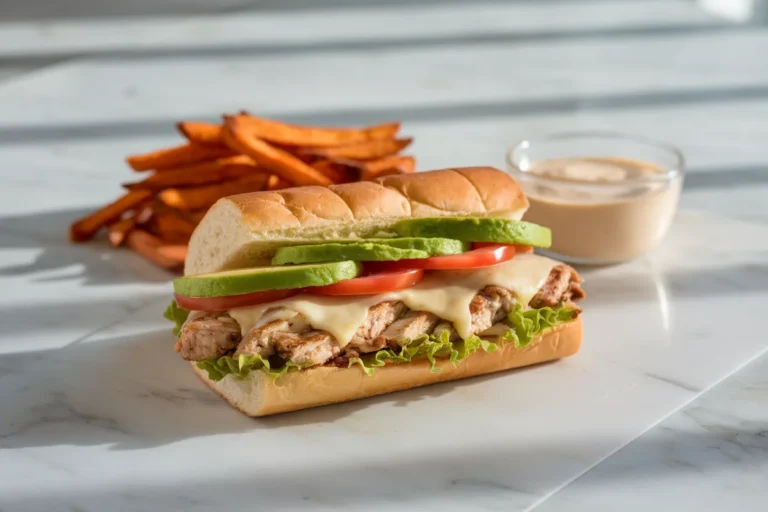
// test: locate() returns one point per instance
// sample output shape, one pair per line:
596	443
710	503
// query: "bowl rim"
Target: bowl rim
669	174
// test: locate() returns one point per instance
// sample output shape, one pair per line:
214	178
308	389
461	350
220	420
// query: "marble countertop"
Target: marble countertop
664	406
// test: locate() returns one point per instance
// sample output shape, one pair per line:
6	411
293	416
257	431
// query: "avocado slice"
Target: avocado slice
372	249
247	280
477	229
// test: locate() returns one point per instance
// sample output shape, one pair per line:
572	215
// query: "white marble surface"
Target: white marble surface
712	455
95	409
111	413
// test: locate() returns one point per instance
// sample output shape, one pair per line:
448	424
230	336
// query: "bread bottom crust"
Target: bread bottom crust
259	395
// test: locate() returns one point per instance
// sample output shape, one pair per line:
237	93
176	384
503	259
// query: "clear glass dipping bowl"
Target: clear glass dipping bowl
612	200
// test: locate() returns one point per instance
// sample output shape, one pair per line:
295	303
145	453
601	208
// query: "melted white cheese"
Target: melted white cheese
445	293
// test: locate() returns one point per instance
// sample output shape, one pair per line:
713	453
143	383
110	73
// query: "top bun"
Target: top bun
245	230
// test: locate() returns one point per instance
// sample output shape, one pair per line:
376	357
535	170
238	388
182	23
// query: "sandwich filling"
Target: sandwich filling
450	314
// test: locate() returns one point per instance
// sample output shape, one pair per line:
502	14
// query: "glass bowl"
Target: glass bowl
607	197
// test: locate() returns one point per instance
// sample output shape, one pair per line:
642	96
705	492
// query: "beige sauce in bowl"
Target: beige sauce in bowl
601	210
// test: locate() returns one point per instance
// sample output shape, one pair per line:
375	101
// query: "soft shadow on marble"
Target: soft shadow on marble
44	237
116	412
711	455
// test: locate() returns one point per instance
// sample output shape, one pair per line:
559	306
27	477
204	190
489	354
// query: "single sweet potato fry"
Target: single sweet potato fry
176	252
186	154
276	183
194	217
406	163
202	197
275	160
385	167
170	226
298	152
85	228
223	169
312	137
370	175
118	231
144	213
153	249
337	172
371	150
200	132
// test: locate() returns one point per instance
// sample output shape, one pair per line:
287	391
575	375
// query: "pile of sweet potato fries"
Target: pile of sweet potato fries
156	216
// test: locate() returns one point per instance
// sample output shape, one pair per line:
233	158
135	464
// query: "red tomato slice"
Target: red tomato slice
491	254
519	249
372	284
232	301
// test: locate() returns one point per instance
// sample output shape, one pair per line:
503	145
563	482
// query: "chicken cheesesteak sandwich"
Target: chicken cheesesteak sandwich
314	295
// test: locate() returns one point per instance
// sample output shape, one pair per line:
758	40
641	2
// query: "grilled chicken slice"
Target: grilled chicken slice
313	347
562	285
491	305
368	337
412	325
261	340
208	335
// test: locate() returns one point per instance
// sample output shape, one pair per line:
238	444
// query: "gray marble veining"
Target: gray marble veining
711	455
113	414
95	408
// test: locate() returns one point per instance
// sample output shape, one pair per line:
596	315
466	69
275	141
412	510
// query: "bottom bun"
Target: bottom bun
259	395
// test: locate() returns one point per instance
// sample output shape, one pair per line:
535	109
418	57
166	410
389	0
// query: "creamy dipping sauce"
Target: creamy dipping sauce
601	210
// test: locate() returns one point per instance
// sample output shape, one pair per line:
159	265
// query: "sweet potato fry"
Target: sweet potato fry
85	228
223	169
203	197
170	226
243	153
118	231
275	160
176	252
405	163
371	175
144	213
370	150
312	137
153	249
186	154
276	183
199	132
385	167
194	217
337	172
297	152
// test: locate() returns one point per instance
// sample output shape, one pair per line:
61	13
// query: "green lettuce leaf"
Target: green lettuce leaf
531	322
423	346
177	315
526	325
240	367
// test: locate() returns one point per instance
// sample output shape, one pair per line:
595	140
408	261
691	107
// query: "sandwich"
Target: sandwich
314	295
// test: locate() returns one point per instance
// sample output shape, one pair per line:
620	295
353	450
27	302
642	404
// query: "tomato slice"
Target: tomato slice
486	256
379	282
232	301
